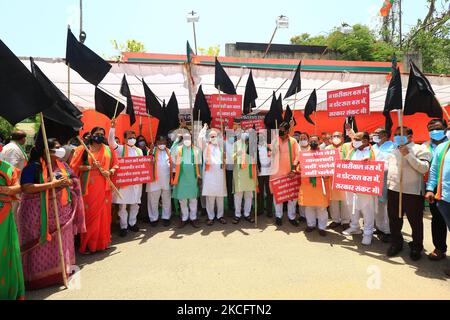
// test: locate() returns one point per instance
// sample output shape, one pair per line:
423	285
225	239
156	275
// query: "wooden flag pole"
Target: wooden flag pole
55	204
115	111
400	198
140	125
113	187
68	81
151	129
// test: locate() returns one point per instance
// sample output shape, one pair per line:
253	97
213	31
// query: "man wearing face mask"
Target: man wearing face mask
361	204
415	163
214	183
131	195
159	188
187	178
383	149
436	129
287	161
339	210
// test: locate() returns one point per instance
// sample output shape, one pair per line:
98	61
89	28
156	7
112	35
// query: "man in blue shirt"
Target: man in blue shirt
436	129
438	187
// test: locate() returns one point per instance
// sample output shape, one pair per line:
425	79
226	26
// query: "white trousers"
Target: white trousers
340	212
248	197
153	204
210	202
316	215
381	216
368	214
191	212
126	220
302	212
291	209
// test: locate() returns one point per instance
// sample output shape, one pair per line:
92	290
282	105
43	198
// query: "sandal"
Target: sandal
250	219
209	222
236	220
223	220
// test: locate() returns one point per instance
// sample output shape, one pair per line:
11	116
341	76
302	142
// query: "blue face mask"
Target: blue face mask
399	141
437	135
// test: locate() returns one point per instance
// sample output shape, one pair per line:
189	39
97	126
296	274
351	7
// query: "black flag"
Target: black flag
222	81
289	116
153	106
420	96
173	113
22	95
296	84
274	117
250	95
311	107
106	104
201	107
125	91
86	62
163	125
393	98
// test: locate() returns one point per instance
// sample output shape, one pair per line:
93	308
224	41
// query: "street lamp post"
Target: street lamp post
193	17
282	22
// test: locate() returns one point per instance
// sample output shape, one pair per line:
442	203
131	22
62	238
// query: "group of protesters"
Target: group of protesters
204	170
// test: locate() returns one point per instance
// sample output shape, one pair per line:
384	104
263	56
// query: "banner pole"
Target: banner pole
68	81
115	111
400	198
55	204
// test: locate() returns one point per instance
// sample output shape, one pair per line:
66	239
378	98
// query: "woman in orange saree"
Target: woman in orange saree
96	190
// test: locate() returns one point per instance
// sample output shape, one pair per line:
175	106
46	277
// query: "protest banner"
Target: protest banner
348	102
251	120
133	170
285	188
318	163
224	107
364	177
140	108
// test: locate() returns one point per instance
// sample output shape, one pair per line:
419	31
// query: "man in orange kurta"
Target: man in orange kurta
314	196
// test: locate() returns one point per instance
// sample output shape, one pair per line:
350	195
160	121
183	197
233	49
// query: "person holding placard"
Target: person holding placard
131	195
159	188
407	167
314	196
287	161
214	183
361	204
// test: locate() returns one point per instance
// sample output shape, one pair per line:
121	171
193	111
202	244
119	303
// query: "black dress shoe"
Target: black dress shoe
166	222
182	224
333	225
123	233
195	224
386	238
415	254
294	222
278	221
154	223
393	251
309	229
134	228
302	219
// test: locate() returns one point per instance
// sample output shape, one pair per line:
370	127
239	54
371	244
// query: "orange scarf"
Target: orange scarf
155	166
6	172
180	162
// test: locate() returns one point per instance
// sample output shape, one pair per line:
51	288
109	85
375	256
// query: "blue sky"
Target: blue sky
38	27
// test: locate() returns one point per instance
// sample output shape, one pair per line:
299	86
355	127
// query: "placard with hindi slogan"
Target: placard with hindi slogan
132	171
364	177
318	163
285	188
348	102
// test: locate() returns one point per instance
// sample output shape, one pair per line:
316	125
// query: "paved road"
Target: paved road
252	263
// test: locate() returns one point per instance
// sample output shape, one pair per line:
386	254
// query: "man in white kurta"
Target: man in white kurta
14	152
159	188
361	204
131	195
214	183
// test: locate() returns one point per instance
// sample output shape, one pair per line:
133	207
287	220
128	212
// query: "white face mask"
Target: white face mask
213	140
60	153
131	142
448	134
304	143
336	141
357	144
376	139
162	147
187	143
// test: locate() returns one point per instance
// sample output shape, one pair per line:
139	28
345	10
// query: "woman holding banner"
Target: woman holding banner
94	174
39	245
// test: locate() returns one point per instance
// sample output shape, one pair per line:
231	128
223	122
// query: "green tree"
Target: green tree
130	45
5	128
211	51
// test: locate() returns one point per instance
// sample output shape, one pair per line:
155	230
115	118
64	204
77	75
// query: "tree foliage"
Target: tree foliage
211	51
130	45
5	128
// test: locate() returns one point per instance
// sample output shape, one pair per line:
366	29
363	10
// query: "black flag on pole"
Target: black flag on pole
106	104
222	82
153	106
274	117
420	96
201	107
289	116
296	84
125	91
163	125
311	107
173	113
393	98
22	95
250	95
86	62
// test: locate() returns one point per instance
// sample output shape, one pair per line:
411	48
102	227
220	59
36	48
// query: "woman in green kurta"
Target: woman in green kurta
11	275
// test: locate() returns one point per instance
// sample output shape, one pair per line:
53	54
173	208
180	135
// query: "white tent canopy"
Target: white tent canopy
165	78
